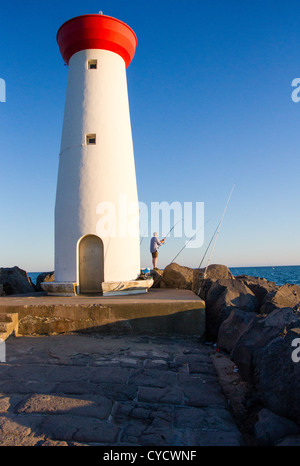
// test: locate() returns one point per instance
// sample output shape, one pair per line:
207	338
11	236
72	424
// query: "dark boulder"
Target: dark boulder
257	336
203	279
284	296
216	272
224	296
43	277
15	281
277	373
232	328
259	286
289	441
156	274
177	276
270	427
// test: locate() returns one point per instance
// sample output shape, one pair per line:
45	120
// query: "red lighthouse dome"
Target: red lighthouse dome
96	31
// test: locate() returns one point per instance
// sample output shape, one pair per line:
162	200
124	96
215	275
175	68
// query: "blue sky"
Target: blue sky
210	100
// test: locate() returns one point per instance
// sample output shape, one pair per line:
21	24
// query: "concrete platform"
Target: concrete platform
160	311
108	288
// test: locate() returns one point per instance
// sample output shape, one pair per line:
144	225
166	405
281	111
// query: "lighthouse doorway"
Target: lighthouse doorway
90	264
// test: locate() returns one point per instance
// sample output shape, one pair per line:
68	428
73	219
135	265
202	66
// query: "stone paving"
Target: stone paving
112	390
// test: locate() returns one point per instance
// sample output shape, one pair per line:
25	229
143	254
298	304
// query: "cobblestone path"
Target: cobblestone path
112	390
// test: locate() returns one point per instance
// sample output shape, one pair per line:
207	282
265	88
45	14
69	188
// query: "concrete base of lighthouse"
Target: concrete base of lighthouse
124	288
59	288
108	288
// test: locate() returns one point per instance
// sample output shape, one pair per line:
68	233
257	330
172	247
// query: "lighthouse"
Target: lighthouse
97	250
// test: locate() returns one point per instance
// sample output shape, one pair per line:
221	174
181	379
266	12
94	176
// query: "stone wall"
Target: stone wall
256	324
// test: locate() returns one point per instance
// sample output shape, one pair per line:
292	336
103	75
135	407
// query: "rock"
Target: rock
258	334
232	328
235	389
214	272
290	441
223	296
15	281
270	427
44	277
277	376
156	274
177	276
285	296
259	286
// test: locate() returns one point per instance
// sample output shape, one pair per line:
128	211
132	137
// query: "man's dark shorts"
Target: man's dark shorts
155	254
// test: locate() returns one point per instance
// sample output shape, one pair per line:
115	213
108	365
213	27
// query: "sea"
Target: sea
33	276
280	274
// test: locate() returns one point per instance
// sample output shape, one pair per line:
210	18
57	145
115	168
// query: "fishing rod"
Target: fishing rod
166	234
172	228
216	235
143	237
208	246
145	231
185	245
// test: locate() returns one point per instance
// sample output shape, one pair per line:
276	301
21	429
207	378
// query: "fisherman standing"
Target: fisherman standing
154	245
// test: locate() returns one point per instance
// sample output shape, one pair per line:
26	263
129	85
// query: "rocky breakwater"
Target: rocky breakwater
254	324
14	280
43	277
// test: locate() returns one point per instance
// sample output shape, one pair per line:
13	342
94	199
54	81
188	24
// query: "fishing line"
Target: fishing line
216	236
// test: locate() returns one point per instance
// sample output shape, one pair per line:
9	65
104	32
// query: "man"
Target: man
154	245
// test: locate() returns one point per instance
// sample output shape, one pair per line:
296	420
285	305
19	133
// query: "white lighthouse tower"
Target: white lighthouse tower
97	249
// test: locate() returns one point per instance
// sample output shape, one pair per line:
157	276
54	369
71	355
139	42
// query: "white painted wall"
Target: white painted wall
96	102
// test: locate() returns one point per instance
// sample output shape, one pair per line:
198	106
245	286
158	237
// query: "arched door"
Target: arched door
90	264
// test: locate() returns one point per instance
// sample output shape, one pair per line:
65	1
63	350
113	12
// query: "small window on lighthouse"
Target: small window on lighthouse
91	138
92	64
